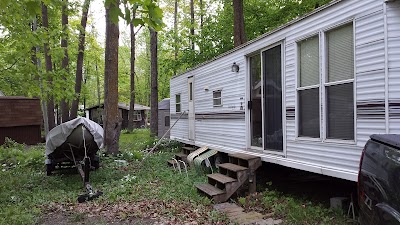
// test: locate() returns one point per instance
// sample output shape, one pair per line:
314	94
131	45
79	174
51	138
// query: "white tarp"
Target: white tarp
59	134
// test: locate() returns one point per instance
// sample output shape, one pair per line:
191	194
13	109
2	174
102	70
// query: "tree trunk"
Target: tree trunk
201	14
175	35
79	63
65	61
112	120
38	63
239	36
192	23
154	84
49	69
132	102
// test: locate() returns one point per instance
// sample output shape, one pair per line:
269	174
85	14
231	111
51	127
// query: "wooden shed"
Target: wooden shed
95	113
20	119
163	117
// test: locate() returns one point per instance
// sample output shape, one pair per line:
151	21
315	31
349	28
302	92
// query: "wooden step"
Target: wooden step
243	156
209	189
223	179
189	148
181	156
232	167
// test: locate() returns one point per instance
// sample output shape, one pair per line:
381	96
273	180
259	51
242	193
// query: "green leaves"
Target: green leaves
115	13
33	8
149	13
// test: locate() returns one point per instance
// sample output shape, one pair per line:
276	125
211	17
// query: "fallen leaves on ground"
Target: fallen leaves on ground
153	211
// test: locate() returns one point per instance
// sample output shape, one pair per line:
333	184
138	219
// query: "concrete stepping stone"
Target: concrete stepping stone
236	214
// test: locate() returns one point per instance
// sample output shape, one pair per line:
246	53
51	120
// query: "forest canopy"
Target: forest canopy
194	39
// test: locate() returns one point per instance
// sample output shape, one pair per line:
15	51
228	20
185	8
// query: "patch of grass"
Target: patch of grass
293	210
26	191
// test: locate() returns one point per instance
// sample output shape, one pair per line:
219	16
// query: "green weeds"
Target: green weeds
292	210
26	192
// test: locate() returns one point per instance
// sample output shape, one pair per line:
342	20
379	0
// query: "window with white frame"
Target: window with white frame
308	88
217	98
339	83
137	115
178	103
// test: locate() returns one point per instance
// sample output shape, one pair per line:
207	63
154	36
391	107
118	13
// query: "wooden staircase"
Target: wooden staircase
233	175
186	150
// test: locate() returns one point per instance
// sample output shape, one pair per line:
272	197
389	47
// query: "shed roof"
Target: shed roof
122	106
164	104
20	111
1	93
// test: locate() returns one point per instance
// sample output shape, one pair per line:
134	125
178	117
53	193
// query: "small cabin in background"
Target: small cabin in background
20	119
140	116
163	117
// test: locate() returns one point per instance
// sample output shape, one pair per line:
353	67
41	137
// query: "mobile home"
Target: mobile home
306	95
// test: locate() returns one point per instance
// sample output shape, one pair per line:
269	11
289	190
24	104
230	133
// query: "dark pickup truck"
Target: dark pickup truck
379	181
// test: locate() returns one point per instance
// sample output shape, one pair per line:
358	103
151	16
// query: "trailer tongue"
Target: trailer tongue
75	143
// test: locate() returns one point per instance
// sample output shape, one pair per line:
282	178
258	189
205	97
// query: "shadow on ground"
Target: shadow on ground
302	184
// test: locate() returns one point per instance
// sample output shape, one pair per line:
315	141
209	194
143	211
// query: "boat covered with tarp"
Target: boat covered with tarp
75	144
72	141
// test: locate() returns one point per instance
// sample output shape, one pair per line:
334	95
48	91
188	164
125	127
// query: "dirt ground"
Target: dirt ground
315	187
145	212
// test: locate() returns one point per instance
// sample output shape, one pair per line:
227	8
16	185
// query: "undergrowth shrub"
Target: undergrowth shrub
169	145
13	154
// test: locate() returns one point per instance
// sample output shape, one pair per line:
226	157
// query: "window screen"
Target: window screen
309	62
340	111
340	54
340	102
309	113
178	103
190	91
217	100
309	77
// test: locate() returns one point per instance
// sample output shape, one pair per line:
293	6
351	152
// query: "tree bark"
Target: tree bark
79	63
65	61
175	35
49	69
132	77
154	83
201	14
112	120
38	63
192	23
239	35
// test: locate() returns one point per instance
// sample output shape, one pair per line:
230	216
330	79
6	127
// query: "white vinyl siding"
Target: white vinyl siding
308	90
336	158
